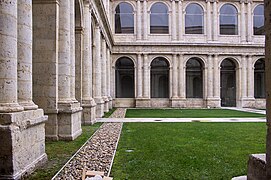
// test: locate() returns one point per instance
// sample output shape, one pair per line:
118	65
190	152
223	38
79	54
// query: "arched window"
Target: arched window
159	19
124	19
194	79
193	19
159	78
258	20
125	78
228	20
228	83
259	79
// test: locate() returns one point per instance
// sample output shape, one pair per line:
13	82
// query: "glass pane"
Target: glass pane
159	8
258	20
228	20
194	9
194	19
124	19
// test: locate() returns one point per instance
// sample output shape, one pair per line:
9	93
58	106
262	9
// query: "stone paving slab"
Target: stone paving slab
259	111
180	120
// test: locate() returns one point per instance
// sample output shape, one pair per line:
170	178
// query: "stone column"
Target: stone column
25	55
244	77
243	22
175	77
182	73
145	20
103	65
216	78
88	102
78	63
109	79
210	77
249	22
250	76
69	110
8	55
209	21
72	46
97	74
173	22
180	20
138	20
215	21
139	76
22	133
146	85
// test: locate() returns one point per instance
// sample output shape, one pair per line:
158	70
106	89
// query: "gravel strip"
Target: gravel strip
98	153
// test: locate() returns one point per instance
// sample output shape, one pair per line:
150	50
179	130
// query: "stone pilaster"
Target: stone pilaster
250	76
180	19
216	81
22	133
212	100
103	71
173	21
87	102
145	20
139	76
215	21
145	100
138	20
243	22
244	81
109	79
175	76
181	102
249	22
69	110
97	73
209	21
72	47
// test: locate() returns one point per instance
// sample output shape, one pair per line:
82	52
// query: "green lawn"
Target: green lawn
186	150
188	113
107	114
60	152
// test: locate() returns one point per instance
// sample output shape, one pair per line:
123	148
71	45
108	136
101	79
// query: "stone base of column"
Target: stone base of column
51	126
257	167
22	142
248	102
89	112
213	102
106	104
69	120
143	102
99	107
110	102
178	102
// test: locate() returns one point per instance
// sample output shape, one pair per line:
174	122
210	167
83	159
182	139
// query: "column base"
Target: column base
69	120
110	102
143	102
178	102
257	167
213	102
89	111
22	142
248	102
99	107
106	104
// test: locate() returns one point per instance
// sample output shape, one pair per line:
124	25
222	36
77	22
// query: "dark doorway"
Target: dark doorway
125	78
159	78
228	83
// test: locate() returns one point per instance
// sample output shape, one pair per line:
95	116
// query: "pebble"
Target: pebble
98	152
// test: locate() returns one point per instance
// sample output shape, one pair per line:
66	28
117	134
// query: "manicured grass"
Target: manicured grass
60	152
106	115
187	113
186	150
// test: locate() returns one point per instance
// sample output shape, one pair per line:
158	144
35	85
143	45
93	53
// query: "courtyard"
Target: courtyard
165	150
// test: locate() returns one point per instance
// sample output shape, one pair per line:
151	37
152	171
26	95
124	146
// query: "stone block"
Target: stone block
257	167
